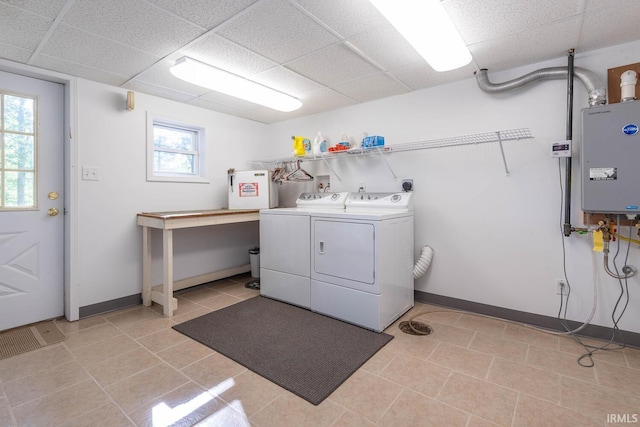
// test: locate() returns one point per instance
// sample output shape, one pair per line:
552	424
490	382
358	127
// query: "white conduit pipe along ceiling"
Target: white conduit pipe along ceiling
596	96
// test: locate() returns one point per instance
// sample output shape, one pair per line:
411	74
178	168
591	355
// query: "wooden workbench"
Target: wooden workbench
167	222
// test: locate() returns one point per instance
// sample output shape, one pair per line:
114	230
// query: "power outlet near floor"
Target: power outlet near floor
561	287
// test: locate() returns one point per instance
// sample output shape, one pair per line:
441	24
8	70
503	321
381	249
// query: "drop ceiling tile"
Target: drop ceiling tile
214	106
528	47
21	28
14	53
419	75
162	92
78	70
372	87
221	53
133	23
482	20
385	46
322	100
277	30
203	12
601	27
86	49
159	75
333	65
346	18
286	81
48	8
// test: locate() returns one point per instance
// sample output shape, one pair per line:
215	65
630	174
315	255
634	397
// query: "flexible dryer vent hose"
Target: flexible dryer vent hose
422	265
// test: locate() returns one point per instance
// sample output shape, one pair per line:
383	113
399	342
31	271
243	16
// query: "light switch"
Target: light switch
90	173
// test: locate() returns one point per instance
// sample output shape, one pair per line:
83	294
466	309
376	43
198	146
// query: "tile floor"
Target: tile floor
130	368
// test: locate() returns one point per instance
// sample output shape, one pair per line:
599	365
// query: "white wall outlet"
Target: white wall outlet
90	173
561	287
362	188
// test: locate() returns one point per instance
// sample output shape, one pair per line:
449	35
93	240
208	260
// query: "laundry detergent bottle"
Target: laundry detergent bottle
319	144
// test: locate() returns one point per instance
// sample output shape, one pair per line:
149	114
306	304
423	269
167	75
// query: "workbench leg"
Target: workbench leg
146	266
167	264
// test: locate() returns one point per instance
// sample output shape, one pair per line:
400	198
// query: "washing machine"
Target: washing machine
285	247
362	259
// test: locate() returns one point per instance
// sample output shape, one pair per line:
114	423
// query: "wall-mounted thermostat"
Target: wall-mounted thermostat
561	149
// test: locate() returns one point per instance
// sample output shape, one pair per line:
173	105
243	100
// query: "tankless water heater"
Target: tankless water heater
611	158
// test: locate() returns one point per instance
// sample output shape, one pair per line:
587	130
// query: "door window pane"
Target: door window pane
19	189
18	146
19	151
18	113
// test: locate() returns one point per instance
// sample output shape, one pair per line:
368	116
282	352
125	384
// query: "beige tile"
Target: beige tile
413	409
226	416
249	391
48	411
351	419
68	327
416	374
91	336
530	336
34	361
496	346
461	359
144	387
366	394
381	359
183	317
105	349
219	301
162	339
6	414
118	368
479	422
107	415
613	354
526	379
37	385
184	406
532	412
618	377
483	399
146	327
131	315
632	355
412	345
559	362
212	370
481	324
239	291
185	353
289	410
596	401
451	334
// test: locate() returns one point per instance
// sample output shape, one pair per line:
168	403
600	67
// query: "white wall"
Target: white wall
114	140
497	239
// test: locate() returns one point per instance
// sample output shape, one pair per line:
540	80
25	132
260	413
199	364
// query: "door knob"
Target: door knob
53	212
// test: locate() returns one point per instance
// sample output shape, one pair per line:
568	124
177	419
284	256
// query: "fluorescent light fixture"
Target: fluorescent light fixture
204	75
427	27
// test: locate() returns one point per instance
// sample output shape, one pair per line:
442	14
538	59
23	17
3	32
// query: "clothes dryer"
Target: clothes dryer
362	259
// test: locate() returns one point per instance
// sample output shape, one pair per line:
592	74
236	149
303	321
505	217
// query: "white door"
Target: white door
31	200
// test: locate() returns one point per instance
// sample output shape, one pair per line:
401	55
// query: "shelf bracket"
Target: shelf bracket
504	159
386	163
331	169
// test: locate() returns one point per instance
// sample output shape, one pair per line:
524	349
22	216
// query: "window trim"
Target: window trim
201	176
